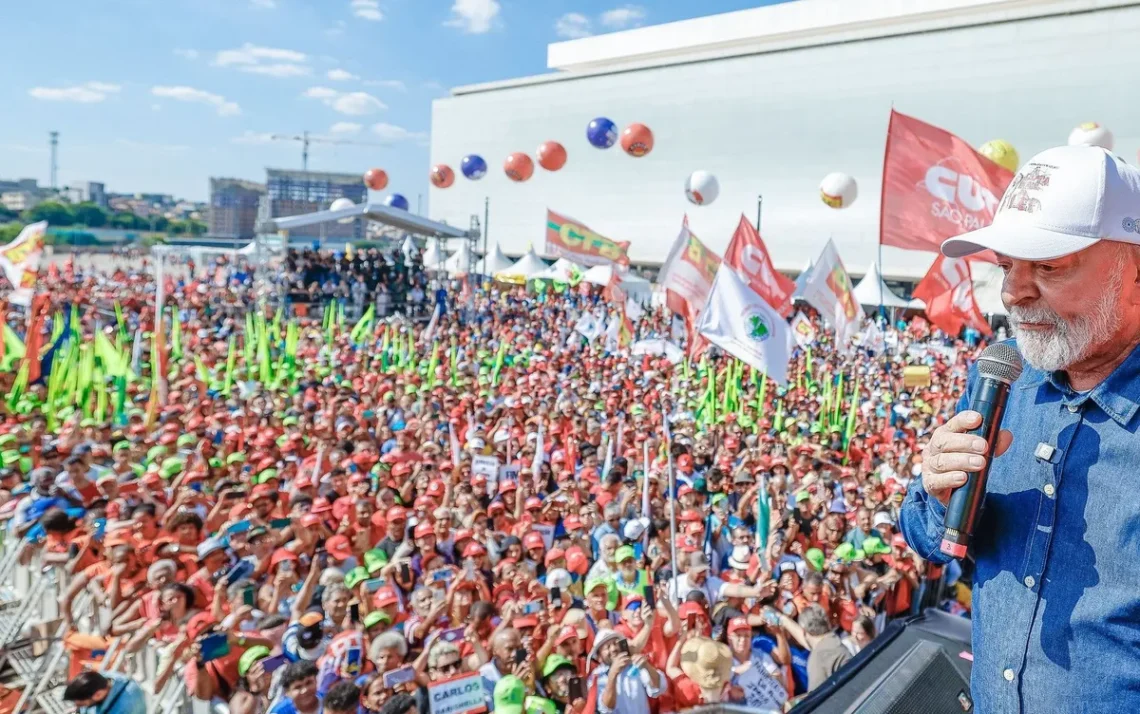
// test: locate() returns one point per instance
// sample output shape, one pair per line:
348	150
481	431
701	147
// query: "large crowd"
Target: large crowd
304	513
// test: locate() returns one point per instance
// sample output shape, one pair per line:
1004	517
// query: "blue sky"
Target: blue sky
159	95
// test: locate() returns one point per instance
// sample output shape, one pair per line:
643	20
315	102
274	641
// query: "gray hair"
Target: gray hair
388	641
332	591
612	509
439	650
814	621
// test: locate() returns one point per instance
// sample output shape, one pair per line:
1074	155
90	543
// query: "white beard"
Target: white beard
1068	342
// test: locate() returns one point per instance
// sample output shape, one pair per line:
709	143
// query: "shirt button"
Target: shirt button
1049	490
1008	674
1074	408
1029	581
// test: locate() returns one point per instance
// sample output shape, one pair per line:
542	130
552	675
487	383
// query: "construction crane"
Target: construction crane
305	138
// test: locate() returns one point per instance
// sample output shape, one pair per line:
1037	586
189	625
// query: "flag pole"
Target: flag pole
759	207
672	503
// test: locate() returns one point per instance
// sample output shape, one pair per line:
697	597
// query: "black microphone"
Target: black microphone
999	366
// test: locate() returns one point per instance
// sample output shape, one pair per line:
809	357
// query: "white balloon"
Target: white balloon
701	188
838	190
1091	134
342	203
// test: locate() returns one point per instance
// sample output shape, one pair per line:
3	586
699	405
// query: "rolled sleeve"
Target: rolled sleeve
922	521
650	690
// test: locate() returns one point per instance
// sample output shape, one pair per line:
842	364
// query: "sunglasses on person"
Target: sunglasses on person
448	667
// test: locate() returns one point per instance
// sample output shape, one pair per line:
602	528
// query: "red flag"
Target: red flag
948	291
935	186
748	256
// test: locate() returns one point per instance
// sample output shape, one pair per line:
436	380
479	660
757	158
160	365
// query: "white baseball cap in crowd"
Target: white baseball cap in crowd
1061	201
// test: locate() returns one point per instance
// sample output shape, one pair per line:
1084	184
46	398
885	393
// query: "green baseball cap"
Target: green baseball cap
355	577
10	457
815	558
539	705
555	662
873	545
375	618
510	695
186	440
802	496
251	657
375	560
237	458
845	552
171	467
623	554
265	476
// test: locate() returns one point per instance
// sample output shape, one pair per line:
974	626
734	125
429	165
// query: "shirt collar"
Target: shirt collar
1118	395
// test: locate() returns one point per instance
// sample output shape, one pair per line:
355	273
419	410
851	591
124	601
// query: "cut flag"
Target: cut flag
935	186
741	323
687	276
748	256
828	289
803	330
948	291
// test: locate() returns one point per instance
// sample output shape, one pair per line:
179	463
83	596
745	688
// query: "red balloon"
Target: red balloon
375	179
518	166
637	140
442	176
551	155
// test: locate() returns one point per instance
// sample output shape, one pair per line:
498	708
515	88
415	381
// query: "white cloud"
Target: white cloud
269	61
341	75
264	4
345	127
393	133
187	54
622	17
474	16
572	26
199	96
387	84
367	10
350	103
337	30
87	93
253	137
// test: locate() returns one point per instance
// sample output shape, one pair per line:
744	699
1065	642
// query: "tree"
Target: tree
55	213
90	215
7	216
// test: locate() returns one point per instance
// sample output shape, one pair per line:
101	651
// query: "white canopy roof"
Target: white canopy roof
460	261
872	290
523	269
634	285
560	271
494	263
433	256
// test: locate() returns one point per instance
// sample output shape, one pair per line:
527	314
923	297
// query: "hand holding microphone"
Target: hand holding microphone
956	462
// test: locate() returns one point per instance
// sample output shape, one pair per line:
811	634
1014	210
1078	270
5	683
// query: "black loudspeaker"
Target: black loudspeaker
920	664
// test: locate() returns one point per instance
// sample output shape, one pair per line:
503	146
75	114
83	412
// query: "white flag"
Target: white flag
738	321
828	289
589	326
539	453
20	261
803	330
430	331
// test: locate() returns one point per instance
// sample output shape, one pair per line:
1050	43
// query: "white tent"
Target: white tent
460	261
872	291
560	271
494	263
523	269
634	286
433	256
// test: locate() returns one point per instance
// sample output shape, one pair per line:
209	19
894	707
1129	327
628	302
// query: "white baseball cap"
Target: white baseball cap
1061	201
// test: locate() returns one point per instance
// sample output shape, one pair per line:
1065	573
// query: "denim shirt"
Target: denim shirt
1056	599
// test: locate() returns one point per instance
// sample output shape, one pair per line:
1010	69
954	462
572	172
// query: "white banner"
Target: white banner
738	321
20	261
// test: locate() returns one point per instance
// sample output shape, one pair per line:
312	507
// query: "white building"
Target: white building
770	100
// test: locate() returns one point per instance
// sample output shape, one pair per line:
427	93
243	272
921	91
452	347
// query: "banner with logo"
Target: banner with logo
829	290
567	238
742	324
935	186
748	256
948	291
20	261
803	330
687	276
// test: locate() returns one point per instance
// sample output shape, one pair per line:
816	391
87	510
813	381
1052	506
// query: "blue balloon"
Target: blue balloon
473	167
396	200
602	133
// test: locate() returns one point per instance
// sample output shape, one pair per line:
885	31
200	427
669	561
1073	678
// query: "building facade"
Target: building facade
772	99
233	208
293	193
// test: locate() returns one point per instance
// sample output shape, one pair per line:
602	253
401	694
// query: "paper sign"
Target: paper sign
458	695
761	690
547	532
510	472
487	466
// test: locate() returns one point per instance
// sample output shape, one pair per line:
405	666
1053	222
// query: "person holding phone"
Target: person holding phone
624	682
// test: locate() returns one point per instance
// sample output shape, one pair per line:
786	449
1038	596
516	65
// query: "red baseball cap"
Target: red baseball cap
397	513
423	529
737	624
385	596
339	547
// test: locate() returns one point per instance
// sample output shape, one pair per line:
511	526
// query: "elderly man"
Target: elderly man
1056	594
